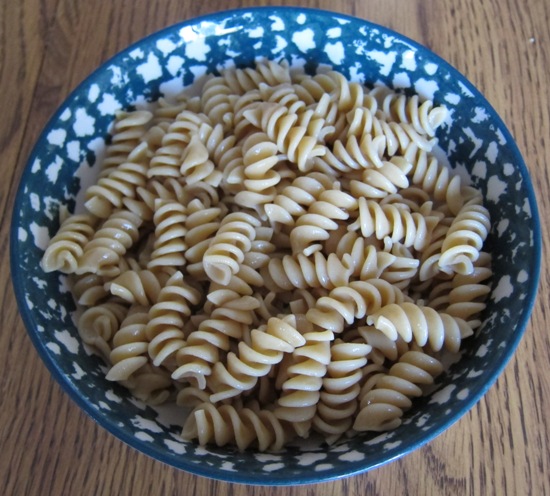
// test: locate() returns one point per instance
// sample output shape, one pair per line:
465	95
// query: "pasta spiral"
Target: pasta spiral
226	251
66	248
321	217
98	324
128	131
130	345
341	387
243	427
423	116
291	139
412	229
465	238
301	390
167	160
294	199
267	346
165	328
137	286
102	253
230	318
383	406
169	247
355	301
314	271
422	324
105	196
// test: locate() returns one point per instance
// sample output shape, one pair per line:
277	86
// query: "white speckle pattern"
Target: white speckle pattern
492	152
393	445
109	105
334	32
495	188
409	60
84	123
174	65
178	448
426	88
53	347
278	24
463	394
67	340
73	150
480	169
480	115
352	456
93	93
197	49
443	395
35	202
401	80
430	68
474	373
151	69
57	137
256	32
52	171
271	467
166	46
304	40
228	466
144	436
502	226
310	458
452	98
503	289
22	235
145	424
335	52
385	59
482	351
40	235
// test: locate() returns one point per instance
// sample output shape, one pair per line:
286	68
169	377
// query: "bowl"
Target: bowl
473	139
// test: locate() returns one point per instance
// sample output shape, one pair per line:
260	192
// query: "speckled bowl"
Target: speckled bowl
476	142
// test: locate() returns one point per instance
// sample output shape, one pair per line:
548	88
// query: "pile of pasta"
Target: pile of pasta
280	253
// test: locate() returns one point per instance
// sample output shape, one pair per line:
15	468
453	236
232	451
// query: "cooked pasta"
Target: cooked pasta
280	253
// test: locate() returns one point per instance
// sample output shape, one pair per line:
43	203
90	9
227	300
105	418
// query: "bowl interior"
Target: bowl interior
475	141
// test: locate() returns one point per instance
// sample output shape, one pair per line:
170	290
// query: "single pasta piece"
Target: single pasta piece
130	344
66	248
122	182
341	387
268	344
98	324
242	427
301	390
343	305
422	324
231	315
165	328
382	407
110	242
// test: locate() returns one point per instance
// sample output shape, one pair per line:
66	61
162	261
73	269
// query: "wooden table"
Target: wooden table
49	447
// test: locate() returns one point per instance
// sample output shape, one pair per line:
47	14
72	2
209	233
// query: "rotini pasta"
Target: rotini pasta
281	253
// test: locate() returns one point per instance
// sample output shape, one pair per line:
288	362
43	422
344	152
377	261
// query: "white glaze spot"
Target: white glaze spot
304	40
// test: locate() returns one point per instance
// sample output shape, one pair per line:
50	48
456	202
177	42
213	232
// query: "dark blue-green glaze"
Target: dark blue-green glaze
476	142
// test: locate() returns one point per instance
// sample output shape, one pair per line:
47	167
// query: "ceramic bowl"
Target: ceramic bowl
477	145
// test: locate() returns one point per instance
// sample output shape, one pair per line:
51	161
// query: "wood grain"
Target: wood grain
49	447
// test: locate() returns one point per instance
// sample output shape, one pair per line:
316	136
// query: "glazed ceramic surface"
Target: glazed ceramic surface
474	139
